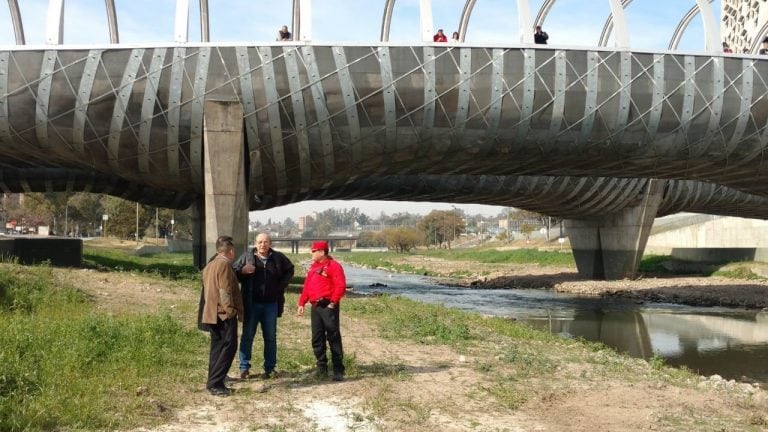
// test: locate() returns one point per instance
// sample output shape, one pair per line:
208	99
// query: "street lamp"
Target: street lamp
66	218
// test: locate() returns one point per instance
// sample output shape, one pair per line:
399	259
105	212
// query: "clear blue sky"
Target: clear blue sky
570	23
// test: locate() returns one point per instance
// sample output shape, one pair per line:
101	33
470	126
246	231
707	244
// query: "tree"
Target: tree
526	230
442	226
371	239
402	239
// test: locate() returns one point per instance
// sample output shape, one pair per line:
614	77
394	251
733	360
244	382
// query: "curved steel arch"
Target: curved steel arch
386	20
615	19
54	23
758	38
541	16
523	20
18	28
205	22
608	26
114	36
683	25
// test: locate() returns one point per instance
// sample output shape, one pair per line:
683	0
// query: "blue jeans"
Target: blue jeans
266	315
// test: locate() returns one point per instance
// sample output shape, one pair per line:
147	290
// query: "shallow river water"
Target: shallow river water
729	342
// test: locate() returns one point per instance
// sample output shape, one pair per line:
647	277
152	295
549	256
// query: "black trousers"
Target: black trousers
223	349
325	328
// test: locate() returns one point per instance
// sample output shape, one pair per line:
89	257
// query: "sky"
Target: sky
493	22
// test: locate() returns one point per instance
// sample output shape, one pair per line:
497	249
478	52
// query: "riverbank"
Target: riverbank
689	290
410	367
418	367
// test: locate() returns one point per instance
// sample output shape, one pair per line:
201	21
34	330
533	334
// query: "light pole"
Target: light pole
157	230
453	221
137	222
66	218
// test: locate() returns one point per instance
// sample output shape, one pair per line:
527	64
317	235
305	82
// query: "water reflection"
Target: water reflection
730	342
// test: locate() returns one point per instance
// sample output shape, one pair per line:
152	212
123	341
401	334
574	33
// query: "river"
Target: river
732	343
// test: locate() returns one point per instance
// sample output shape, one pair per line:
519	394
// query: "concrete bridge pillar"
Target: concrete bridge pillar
610	247
225	199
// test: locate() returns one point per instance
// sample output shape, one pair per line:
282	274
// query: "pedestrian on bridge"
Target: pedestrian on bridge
440	36
540	36
264	273
283	34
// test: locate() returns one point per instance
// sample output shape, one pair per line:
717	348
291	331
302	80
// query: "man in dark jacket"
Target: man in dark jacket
264	274
540	36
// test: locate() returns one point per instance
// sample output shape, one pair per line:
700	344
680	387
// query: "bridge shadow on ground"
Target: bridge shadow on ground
179	267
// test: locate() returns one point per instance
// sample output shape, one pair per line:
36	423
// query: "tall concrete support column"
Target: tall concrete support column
225	198
198	234
611	247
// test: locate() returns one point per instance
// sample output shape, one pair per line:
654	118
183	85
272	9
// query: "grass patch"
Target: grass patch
406	319
738	272
489	256
27	289
177	265
67	366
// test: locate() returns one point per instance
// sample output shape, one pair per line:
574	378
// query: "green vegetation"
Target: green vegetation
70	365
65	365
27	291
518	256
738	272
171	265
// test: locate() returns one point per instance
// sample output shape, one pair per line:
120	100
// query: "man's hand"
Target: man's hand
300	311
331	305
248	269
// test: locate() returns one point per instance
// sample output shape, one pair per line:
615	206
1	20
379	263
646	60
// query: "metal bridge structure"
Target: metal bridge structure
605	137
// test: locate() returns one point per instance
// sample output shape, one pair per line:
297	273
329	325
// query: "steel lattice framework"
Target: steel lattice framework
527	126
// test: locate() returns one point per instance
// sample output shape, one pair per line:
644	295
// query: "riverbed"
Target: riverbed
729	342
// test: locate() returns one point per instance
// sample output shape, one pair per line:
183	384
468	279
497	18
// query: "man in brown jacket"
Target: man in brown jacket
223	307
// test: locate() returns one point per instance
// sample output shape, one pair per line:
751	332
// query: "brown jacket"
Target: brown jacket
222	292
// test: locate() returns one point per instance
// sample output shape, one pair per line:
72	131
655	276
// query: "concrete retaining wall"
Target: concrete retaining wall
720	255
721	232
179	245
63	252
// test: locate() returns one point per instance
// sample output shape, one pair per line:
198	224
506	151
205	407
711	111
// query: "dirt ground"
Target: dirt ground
404	386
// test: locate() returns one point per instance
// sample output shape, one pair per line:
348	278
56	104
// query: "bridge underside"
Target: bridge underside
572	133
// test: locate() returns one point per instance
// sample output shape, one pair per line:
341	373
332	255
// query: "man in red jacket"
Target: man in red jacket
324	287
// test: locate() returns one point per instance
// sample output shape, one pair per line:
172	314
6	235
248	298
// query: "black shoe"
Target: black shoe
220	391
267	375
321	372
338	376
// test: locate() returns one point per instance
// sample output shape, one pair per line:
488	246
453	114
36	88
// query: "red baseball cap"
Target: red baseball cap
319	245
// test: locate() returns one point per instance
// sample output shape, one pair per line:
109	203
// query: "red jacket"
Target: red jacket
325	279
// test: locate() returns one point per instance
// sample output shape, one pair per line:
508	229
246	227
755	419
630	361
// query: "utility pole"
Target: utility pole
137	222
157	230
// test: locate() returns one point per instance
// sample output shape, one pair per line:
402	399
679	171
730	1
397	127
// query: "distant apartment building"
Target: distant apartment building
305	222
744	24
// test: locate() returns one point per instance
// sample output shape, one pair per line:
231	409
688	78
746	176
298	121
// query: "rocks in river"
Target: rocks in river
377	284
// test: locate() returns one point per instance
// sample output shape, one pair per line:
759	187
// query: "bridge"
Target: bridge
333	241
607	138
